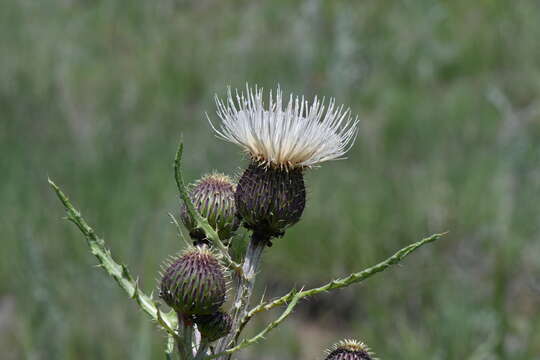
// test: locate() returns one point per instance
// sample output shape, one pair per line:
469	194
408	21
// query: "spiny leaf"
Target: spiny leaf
118	272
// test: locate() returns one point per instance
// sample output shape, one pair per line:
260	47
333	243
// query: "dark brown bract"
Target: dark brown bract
214	326
350	350
270	199
344	354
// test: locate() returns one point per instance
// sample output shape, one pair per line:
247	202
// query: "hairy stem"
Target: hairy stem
244	289
184	343
169	350
187	337
201	352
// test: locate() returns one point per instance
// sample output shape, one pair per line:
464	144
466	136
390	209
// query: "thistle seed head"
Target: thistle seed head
349	350
214	326
270	199
194	283
213	197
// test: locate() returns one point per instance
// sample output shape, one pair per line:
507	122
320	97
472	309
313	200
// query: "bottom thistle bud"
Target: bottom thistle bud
349	350
194	283
214	326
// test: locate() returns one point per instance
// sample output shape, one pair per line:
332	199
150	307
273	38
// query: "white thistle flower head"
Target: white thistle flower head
297	134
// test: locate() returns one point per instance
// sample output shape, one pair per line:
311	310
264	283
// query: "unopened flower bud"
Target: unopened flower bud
214	326
194	283
213	197
349	350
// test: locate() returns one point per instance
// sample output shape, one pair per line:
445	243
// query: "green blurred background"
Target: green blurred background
96	94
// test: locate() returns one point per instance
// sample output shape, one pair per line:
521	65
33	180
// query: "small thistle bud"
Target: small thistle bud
213	197
194	283
270	199
214	326
349	350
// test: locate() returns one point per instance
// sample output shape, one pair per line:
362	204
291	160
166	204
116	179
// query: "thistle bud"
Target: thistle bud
269	199
349	350
213	197
194	283
214	326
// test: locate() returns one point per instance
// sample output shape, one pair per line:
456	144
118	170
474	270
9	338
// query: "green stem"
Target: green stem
201	352
244	290
187	337
250	268
169	350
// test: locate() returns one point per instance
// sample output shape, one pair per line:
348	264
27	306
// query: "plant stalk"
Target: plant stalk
244	288
201	352
185	346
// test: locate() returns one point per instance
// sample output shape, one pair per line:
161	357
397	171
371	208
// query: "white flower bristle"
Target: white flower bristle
296	134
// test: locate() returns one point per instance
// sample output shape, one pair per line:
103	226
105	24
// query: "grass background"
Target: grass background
95	94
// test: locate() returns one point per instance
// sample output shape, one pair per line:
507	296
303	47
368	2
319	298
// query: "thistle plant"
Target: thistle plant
283	141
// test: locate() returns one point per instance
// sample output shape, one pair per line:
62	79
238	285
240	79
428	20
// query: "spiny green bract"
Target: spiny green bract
214	326
213	197
194	283
349	350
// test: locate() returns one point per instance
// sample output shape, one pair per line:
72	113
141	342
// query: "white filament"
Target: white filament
299	134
